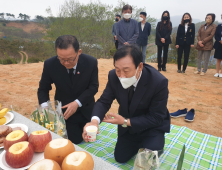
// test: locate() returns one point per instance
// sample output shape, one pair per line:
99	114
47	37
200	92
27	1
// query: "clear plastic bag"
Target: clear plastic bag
146	160
51	117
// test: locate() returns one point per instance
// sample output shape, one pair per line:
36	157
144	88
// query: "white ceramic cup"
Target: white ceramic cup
91	133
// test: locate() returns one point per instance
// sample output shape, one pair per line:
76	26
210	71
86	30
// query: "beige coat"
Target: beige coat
206	36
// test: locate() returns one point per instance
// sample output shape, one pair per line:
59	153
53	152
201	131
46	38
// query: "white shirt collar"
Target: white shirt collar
135	84
73	68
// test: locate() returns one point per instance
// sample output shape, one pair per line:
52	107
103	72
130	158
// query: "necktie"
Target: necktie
130	94
71	74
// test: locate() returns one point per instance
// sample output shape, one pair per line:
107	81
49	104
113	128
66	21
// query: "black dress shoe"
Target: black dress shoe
183	71
178	71
159	69
164	69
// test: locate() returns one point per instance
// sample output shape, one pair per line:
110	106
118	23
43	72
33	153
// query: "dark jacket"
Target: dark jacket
84	88
206	36
143	35
188	37
127	32
163	33
114	30
148	111
218	36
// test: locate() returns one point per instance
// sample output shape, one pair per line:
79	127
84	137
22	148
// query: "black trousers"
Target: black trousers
128	145
74	127
116	43
186	49
165	55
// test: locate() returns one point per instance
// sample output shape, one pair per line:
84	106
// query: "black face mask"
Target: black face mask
165	18
186	20
116	19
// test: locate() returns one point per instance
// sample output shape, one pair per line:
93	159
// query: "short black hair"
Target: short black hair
117	15
212	15
143	13
125	7
65	41
131	50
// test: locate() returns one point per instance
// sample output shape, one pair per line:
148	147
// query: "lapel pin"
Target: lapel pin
78	72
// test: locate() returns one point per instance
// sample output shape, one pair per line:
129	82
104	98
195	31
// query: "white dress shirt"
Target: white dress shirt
135	84
43	105
186	27
142	26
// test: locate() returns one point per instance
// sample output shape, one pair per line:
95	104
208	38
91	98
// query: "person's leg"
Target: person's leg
179	53
154	143
218	66
165	56
74	127
126	147
116	44
199	59
206	60
159	54
144	53
186	56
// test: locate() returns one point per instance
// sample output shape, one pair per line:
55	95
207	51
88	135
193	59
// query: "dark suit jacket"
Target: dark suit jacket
148	111
163	33
143	35
218	35
125	34
84	88
189	36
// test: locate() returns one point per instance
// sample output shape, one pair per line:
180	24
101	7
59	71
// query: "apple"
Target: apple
45	164
58	149
78	160
19	154
15	137
39	139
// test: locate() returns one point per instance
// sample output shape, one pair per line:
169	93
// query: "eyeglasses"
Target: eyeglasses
69	60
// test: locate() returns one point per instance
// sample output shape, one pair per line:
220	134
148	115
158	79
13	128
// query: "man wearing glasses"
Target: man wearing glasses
75	76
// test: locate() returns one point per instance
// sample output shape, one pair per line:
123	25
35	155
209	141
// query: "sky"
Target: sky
197	8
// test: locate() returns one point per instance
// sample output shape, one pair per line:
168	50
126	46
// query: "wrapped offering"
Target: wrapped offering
51	117
146	160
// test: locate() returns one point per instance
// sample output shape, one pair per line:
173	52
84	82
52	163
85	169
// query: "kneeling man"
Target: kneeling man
142	94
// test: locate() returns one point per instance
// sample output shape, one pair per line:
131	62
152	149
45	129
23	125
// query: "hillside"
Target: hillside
19	84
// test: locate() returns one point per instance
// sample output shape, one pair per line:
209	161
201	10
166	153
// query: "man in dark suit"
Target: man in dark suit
75	76
117	19
144	32
142	94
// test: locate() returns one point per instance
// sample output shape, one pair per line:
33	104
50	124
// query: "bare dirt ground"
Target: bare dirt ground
19	84
27	27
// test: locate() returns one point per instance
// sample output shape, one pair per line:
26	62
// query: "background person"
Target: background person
218	49
185	40
205	43
163	39
75	76
127	29
144	32
142	94
117	19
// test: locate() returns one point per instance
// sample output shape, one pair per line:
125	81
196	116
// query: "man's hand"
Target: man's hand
221	41
94	122
71	109
177	46
126	43
114	119
163	40
200	43
192	46
115	37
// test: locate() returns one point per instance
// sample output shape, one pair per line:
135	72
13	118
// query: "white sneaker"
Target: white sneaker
216	75
196	72
220	75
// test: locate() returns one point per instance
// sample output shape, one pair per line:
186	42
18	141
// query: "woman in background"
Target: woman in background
185	40
205	43
218	49
163	39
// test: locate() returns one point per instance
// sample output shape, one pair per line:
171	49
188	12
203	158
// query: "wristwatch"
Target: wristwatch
125	123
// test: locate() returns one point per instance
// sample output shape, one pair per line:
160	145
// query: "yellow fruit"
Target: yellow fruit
3	112
2	121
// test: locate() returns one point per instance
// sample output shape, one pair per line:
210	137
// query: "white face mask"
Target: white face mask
127	15
140	19
127	82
